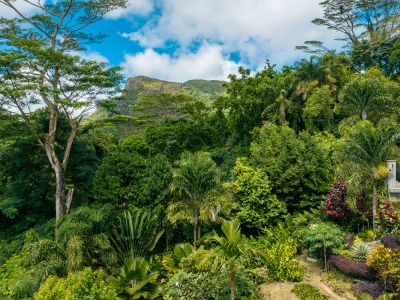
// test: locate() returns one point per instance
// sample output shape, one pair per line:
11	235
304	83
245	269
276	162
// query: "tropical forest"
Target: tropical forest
150	178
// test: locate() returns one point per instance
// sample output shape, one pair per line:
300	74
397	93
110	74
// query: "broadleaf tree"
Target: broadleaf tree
40	66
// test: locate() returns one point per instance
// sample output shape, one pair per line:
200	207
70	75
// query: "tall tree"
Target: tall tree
192	182
371	29
363	150
39	65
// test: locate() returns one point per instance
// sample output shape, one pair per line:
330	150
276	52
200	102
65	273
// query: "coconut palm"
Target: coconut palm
193	181
230	246
364	150
133	281
136	234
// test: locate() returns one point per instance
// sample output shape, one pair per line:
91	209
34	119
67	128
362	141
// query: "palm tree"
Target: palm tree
230	247
366	96
279	106
133	281
195	177
136	234
363	151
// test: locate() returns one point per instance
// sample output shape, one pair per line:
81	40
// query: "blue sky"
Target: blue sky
178	40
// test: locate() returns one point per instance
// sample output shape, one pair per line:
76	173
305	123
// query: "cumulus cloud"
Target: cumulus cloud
133	7
208	62
258	29
21	5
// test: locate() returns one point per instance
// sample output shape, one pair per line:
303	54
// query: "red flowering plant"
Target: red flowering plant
335	203
389	217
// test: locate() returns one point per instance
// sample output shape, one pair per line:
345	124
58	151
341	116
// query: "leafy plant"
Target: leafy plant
137	233
360	252
279	250
208	285
171	263
134	281
83	285
335	203
306	291
387	262
257	207
321	237
231	245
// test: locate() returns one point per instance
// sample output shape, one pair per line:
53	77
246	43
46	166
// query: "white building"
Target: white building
393	184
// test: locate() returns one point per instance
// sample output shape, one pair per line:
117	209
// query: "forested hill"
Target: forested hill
147	101
139	87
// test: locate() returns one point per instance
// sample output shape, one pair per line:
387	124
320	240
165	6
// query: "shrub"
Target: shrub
281	263
387	262
374	289
335	202
368	235
323	237
306	291
12	275
389	217
84	285
207	285
351	268
390	241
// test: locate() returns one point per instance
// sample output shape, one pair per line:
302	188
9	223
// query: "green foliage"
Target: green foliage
133	281
211	284
368	96
321	237
27	187
137	233
256	206
306	291
193	181
12	275
360	252
277	250
83	235
387	262
130	175
181	251
84	285
297	167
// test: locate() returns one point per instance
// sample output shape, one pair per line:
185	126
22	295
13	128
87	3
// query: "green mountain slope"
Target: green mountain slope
148	101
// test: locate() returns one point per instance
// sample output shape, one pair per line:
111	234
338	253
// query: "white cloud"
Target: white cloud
207	63
258	29
91	55
22	6
133	7
96	56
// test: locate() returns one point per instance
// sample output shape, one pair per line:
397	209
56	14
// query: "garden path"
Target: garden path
312	275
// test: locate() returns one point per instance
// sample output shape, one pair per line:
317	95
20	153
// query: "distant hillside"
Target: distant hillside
148	101
140	86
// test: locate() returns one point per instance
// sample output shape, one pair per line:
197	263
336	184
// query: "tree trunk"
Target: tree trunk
195	218
61	206
374	205
232	284
198	230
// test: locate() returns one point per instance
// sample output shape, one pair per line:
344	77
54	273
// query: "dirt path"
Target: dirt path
312	275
